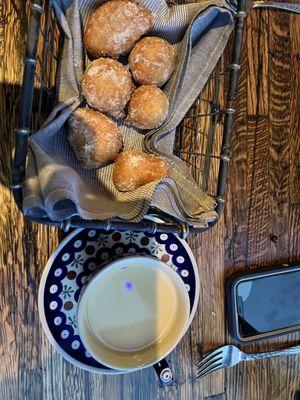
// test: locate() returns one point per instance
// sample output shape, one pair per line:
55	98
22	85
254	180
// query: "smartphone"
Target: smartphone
263	303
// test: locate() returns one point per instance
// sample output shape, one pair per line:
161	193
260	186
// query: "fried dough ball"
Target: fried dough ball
95	138
133	169
107	86
152	61
115	26
148	107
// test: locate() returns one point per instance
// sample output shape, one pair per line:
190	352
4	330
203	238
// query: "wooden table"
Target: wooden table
260	226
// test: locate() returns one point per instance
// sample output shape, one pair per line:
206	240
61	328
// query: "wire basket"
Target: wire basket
202	138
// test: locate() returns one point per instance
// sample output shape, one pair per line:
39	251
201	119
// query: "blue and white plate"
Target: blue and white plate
80	255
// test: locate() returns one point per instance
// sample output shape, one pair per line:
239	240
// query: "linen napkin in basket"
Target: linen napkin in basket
56	186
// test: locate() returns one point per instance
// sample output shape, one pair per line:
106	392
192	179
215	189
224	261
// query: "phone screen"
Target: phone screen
268	303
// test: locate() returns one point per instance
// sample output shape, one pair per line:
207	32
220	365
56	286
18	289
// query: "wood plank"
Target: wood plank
18	282
280	96
295	114
239	379
258	236
257	51
208	325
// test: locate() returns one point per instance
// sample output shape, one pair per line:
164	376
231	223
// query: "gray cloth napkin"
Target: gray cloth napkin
56	186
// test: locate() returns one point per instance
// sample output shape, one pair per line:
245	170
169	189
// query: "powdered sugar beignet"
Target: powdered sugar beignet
95	138
133	169
148	107
107	86
115	26
152	61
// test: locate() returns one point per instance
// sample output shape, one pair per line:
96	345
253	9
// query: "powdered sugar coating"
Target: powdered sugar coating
133	169
115	26
95	138
107	86
148	107
152	61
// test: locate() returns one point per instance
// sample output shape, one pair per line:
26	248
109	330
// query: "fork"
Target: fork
228	356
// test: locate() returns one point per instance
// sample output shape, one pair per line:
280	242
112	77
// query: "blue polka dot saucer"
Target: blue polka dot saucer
77	257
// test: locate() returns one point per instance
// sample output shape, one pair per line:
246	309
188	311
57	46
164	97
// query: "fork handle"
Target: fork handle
292	7
276	353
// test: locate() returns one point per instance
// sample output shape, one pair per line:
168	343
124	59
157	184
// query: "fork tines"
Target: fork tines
210	363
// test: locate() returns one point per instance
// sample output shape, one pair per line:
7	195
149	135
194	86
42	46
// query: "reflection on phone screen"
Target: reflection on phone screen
268	303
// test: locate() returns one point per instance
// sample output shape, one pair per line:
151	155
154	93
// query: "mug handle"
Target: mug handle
163	371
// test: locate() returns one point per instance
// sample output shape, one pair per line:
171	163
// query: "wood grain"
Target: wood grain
260	226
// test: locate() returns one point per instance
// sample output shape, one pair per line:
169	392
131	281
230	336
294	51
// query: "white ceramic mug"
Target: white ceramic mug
133	312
